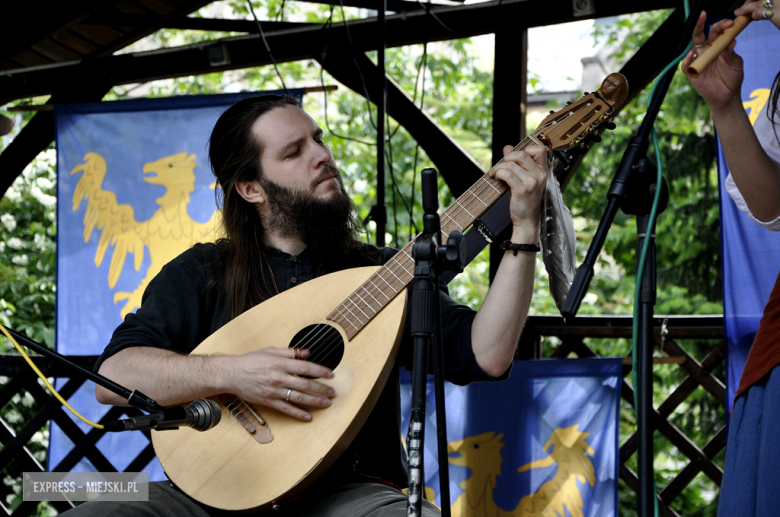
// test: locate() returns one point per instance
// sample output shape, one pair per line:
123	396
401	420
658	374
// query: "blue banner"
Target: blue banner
134	190
751	254
545	441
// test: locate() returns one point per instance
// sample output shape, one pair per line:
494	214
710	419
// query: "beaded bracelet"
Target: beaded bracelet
509	245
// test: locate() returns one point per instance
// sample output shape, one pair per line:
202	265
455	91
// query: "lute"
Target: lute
351	321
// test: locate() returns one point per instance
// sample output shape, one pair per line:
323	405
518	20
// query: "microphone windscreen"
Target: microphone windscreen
203	414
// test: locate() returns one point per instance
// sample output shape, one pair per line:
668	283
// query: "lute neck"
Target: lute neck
390	280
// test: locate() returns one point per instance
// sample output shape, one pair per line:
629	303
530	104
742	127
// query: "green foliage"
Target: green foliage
27	252
689	276
457	95
689	273
27	288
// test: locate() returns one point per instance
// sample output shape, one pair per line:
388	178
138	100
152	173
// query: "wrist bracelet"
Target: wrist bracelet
509	245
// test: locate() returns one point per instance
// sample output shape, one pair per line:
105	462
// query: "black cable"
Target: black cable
389	160
280	14
409	206
327	122
267	48
428	10
423	67
388	150
360	72
396	188
328	23
416	82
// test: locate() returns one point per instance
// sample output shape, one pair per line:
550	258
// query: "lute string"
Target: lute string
323	353
483	184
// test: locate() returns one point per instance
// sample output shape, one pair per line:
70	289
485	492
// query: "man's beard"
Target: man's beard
327	227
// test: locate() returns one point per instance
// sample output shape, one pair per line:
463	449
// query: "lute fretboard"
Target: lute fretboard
369	299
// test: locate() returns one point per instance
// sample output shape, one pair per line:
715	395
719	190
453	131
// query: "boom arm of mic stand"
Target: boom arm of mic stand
617	190
135	398
616	196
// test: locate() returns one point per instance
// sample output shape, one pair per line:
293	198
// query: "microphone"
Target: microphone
201	415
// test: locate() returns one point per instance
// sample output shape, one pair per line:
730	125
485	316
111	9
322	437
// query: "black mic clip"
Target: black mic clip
201	415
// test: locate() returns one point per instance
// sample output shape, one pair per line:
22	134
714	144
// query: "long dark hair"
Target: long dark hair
234	153
772	111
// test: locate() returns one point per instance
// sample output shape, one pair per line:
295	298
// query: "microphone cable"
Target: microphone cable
646	243
265	42
46	381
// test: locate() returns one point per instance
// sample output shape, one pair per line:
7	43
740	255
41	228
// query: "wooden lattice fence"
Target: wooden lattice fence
22	450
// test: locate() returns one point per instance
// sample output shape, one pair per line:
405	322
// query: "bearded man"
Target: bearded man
286	219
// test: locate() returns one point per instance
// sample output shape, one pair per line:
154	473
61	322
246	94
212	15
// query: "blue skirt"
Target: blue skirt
751	477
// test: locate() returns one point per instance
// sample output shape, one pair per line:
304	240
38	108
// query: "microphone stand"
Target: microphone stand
430	261
135	398
632	190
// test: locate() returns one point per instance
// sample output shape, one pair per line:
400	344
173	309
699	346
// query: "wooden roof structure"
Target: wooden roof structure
66	50
68	53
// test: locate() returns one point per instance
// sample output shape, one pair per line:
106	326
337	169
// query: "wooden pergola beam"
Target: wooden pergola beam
156	22
297	44
57	16
510	77
396	6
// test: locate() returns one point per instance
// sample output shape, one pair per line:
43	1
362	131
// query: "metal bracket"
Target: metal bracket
218	55
583	7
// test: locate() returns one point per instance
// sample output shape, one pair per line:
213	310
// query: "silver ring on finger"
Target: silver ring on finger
768	13
287	398
769	4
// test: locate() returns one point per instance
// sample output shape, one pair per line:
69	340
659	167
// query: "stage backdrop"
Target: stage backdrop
545	441
751	254
131	155
134	190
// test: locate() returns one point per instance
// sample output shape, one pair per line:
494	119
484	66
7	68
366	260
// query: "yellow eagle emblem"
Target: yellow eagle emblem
758	99
482	454
169	232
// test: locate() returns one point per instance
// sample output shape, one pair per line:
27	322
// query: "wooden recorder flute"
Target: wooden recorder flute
717	46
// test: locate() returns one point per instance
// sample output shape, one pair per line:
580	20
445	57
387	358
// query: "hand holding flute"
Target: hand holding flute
720	83
724	32
755	173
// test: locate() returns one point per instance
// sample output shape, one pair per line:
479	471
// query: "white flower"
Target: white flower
9	221
44	183
28	399
2	247
16	243
43	198
40	241
13	195
29	172
20	260
41	438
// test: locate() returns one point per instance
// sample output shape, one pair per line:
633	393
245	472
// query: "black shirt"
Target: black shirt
185	303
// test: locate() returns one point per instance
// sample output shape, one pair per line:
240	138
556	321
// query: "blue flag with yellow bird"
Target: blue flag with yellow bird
543	443
135	190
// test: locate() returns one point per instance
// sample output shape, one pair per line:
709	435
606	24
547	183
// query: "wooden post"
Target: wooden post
509	104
